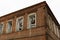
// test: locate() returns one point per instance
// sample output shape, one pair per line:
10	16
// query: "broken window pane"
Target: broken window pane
32	20
9	26
20	23
1	26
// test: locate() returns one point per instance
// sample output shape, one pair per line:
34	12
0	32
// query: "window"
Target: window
19	24
9	26
54	28
52	25
1	28
57	32
49	21
32	20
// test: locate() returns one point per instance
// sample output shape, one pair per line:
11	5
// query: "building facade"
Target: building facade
59	32
36	22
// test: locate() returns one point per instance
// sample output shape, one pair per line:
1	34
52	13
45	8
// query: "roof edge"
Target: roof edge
23	9
53	16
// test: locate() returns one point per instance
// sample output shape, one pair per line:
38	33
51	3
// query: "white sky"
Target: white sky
8	6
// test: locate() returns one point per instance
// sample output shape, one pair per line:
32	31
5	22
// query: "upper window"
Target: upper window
9	26
32	20
57	32
1	28
19	24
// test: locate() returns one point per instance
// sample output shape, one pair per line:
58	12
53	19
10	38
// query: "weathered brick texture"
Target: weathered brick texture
40	32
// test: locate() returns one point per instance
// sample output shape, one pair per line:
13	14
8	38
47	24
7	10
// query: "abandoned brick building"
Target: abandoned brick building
36	22
59	32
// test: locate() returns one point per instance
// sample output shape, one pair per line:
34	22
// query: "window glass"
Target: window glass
9	26
32	20
19	23
1	28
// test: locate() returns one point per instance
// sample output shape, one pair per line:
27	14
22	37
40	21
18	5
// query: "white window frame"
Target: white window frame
7	26
28	23
17	26
2	27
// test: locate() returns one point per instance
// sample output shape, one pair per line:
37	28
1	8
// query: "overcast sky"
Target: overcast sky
8	6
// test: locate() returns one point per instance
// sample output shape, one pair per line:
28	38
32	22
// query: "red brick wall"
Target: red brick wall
37	33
